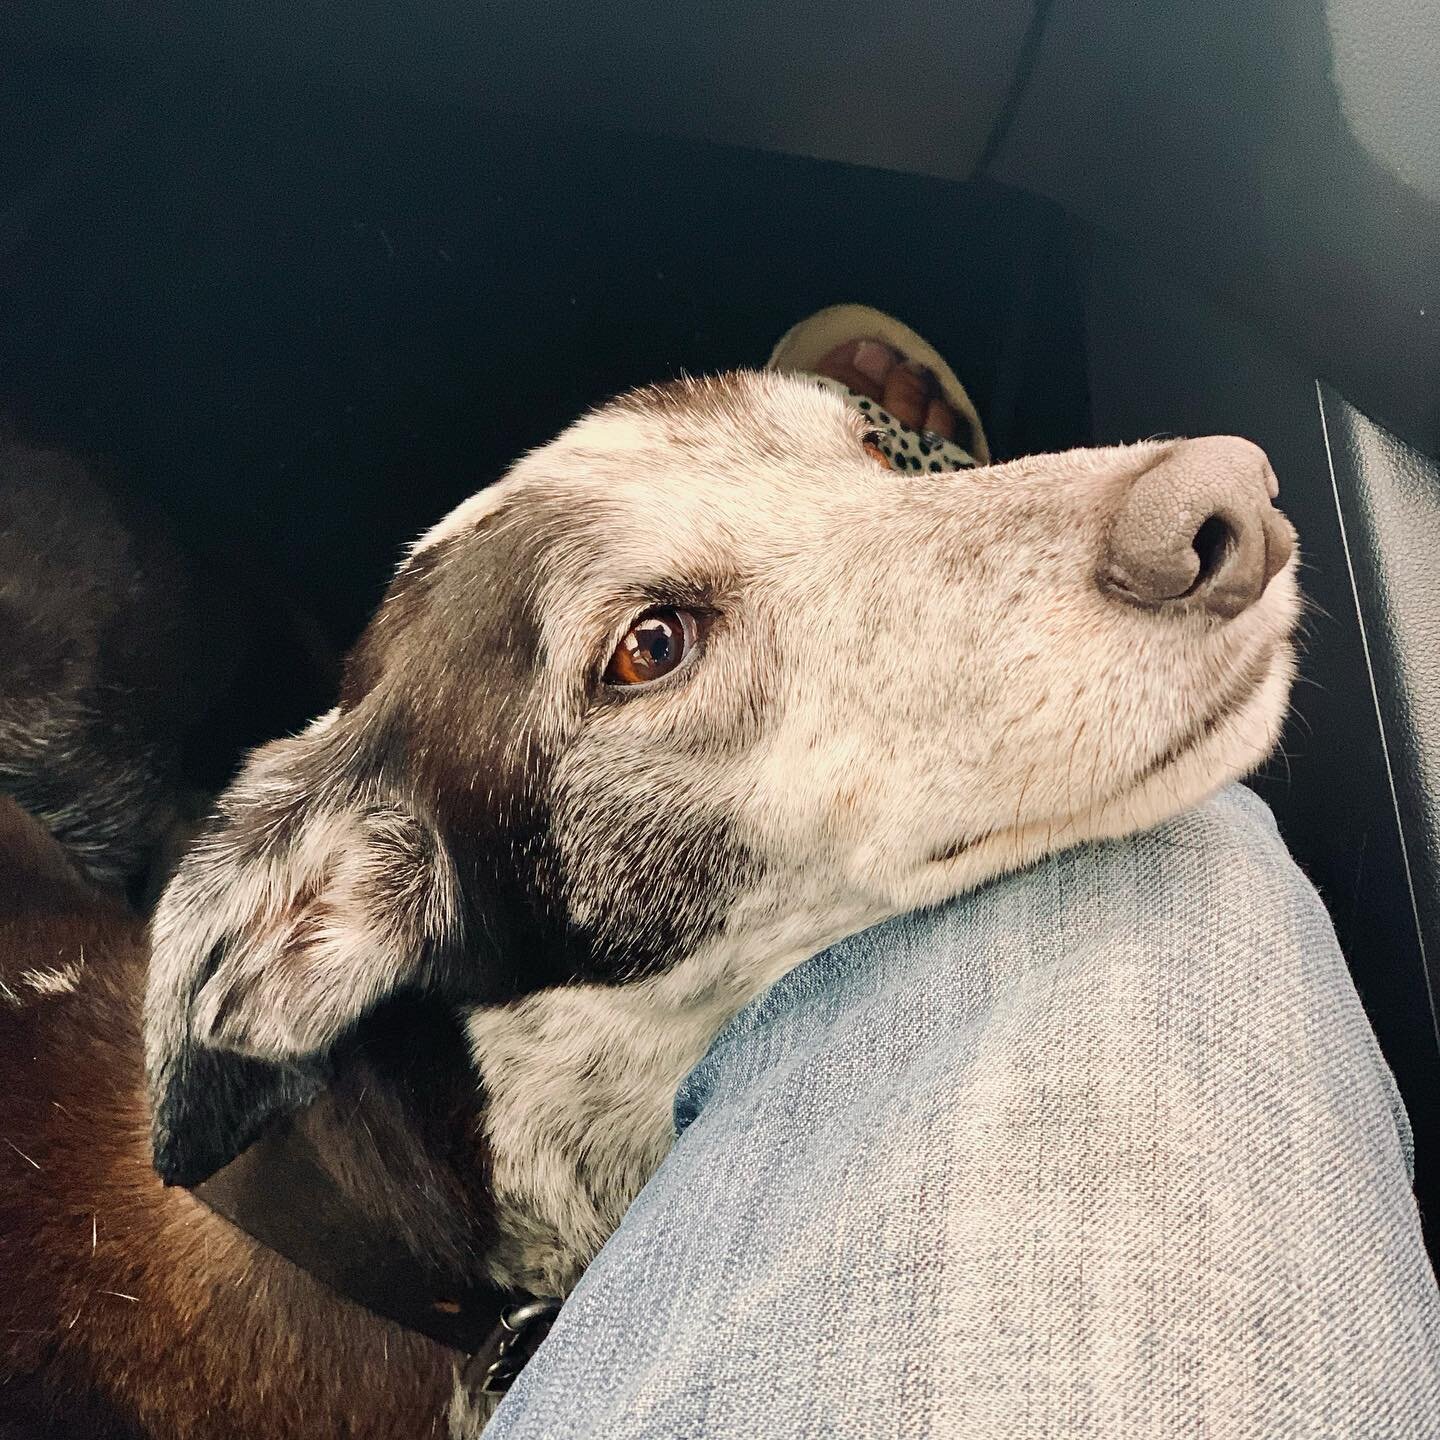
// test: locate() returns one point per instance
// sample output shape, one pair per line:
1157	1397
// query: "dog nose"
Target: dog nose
1196	531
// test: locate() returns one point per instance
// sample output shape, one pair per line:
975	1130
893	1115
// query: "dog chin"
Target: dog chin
1228	747
1239	741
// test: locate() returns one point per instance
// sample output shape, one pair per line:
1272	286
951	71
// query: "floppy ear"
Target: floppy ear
314	895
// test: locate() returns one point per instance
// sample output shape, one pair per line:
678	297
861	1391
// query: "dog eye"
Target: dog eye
656	645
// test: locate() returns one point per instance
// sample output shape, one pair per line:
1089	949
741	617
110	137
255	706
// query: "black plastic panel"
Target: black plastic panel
1389	500
916	88
1283	155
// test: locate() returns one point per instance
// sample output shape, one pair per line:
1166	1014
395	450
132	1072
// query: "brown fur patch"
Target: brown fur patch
129	1309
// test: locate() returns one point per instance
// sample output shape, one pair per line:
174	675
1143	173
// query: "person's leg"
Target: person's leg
1104	1149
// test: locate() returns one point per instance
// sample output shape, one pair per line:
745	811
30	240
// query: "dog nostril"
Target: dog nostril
1195	531
1213	541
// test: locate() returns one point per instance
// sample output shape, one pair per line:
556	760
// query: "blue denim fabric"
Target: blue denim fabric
1104	1149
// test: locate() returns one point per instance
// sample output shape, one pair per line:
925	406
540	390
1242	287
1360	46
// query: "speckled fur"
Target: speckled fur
911	684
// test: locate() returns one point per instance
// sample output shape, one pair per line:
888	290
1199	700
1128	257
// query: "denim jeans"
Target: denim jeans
1103	1149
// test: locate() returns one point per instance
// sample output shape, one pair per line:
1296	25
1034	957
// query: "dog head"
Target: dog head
701	678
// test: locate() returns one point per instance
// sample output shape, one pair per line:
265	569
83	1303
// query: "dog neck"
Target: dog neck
592	1071
378	1187
453	1144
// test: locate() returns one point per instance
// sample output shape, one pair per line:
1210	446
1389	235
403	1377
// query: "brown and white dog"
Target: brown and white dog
695	690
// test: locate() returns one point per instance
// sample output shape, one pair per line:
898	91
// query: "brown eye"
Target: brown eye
653	647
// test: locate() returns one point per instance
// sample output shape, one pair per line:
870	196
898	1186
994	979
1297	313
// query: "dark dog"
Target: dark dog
129	1309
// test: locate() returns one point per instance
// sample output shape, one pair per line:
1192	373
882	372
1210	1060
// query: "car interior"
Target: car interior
308	275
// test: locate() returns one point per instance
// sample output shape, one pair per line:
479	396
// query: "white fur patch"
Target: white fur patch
44	983
592	1070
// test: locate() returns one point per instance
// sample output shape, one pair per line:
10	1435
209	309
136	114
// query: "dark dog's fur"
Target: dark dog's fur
127	1308
93	646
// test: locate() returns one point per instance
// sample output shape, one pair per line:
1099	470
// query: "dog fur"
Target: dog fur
906	685
89	723
129	1309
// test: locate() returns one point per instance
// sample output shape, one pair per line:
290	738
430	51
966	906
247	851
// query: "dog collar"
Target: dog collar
279	1193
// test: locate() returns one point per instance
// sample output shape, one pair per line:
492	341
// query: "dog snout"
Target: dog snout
1197	531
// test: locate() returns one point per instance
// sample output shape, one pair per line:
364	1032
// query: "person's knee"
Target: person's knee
1196	947
1194	967
1208	903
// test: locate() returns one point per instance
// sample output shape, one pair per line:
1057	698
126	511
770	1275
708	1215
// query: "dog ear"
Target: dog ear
316	894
